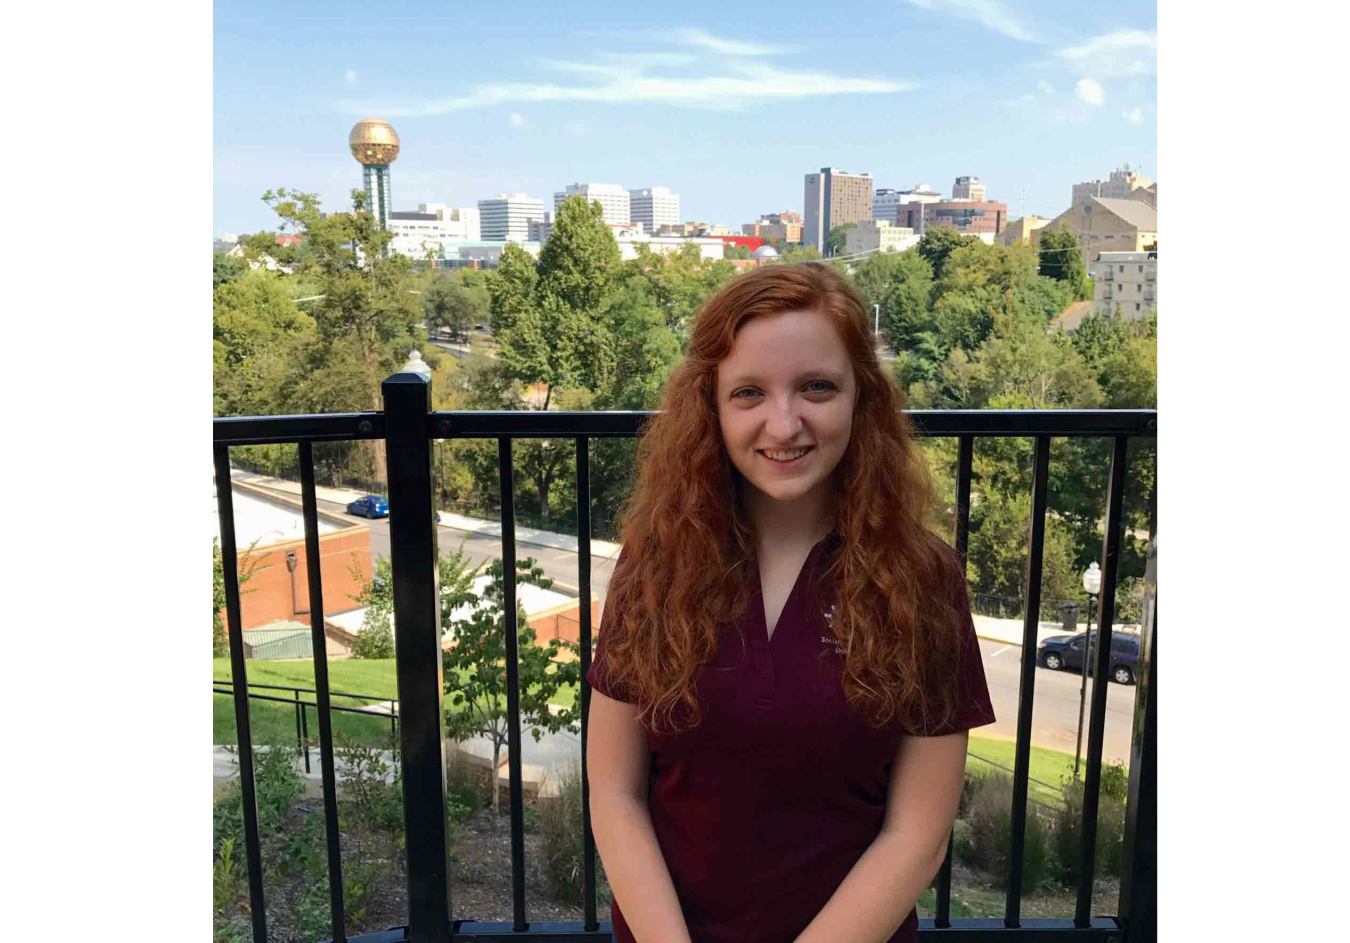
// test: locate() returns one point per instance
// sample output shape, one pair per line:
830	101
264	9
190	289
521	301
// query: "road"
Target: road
1054	718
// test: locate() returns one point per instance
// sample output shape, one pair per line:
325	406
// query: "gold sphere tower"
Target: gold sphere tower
374	144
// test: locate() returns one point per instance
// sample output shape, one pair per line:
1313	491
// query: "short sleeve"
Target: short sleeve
973	706
598	675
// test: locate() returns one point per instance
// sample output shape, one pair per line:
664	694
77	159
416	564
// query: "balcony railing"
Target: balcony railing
1109	275
408	427
1148	294
1150	276
1106	292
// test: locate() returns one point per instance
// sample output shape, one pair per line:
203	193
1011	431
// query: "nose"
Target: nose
784	422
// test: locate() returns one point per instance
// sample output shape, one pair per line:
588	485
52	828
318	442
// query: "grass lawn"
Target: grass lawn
275	723
1049	766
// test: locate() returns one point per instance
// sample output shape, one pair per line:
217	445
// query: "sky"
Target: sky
728	106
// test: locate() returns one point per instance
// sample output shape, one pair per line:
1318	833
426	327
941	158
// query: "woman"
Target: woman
787	665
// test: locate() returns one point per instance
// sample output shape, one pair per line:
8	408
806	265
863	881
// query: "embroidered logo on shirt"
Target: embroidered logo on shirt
838	645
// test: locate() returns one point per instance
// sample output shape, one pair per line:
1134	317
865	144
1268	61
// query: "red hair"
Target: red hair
688	543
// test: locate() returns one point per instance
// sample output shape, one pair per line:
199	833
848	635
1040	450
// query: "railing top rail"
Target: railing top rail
252	430
292	687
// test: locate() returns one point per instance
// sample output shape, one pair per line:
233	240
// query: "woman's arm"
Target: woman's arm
878	893
618	760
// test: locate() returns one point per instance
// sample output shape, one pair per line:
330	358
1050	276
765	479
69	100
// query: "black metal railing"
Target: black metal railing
408	427
226	686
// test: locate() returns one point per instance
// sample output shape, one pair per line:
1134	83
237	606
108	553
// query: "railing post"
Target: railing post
417	648
1139	887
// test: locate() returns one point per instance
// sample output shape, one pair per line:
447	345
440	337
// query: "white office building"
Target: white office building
506	218
880	235
1125	283
886	202
613	200
430	227
653	207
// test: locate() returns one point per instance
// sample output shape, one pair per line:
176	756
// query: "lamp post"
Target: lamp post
876	326
1092	582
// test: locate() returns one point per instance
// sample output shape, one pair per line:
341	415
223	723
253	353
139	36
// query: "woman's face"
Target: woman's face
787	385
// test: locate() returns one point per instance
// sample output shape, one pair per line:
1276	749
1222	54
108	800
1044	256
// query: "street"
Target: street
1054	719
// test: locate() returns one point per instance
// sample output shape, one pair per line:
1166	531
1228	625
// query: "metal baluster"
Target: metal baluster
589	917
1106	601
964	459
1027	691
1138	906
417	643
512	686
230	565
322	699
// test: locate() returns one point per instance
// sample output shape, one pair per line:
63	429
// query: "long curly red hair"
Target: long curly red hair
687	540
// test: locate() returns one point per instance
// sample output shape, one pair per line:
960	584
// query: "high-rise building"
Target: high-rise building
613	200
653	207
374	144
835	197
1123	182
968	188
507	217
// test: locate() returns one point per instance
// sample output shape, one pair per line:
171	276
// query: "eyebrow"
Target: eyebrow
817	374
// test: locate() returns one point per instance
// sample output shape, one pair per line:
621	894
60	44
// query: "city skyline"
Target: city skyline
729	115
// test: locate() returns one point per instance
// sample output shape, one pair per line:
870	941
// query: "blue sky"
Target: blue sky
728	105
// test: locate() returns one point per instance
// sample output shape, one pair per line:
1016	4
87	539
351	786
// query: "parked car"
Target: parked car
1068	651
369	506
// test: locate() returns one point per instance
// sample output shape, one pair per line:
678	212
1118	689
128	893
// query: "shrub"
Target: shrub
986	841
227	878
276	786
373	800
563	864
376	638
1115	781
1109	856
469	789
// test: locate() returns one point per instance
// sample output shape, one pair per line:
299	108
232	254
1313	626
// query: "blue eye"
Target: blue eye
828	385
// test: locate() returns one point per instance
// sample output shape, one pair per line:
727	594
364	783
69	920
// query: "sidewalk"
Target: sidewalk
472	525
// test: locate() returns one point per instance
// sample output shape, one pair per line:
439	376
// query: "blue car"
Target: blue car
1069	651
369	506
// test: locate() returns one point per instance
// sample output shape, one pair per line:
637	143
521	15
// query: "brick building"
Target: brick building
965	216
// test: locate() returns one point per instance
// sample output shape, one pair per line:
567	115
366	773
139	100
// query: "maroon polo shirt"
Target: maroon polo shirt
763	809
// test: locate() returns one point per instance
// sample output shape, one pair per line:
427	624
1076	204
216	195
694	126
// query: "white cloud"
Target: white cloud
692	36
1124	52
748	82
351	76
990	14
1045	86
1134	115
1090	91
516	120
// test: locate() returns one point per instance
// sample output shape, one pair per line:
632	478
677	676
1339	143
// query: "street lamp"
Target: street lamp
1092	582
876	327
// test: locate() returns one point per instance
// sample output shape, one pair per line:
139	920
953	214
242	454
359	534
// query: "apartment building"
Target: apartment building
613	199
1125	284
835	197
506	218
652	207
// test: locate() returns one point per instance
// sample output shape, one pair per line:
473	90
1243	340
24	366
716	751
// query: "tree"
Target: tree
479	653
837	240
678	282
1062	259
733	251
938	242
226	268
452	304
220	645
367	293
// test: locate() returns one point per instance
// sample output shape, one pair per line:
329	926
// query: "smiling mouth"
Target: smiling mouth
789	458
